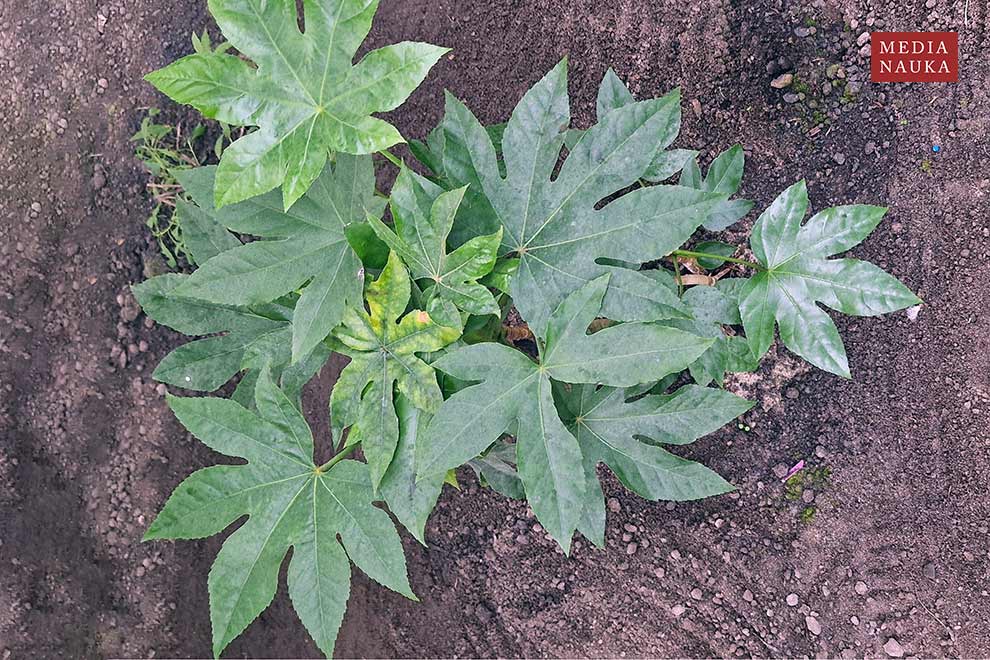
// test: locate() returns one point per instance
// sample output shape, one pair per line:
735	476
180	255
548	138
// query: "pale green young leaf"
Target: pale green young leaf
423	215
798	275
290	503
304	93
383	349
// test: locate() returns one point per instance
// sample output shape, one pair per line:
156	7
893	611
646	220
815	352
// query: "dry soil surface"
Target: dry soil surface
887	540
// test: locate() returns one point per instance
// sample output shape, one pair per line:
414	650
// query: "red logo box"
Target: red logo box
914	57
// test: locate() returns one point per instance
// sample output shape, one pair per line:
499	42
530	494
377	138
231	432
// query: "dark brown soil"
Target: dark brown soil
892	544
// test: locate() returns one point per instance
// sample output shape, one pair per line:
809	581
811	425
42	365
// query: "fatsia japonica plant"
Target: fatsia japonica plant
522	303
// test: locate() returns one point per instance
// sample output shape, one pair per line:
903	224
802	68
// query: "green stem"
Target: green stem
690	253
339	456
391	157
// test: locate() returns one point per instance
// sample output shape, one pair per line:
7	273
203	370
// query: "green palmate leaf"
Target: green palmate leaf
613	94
383	351
202	234
410	500
423	215
309	244
798	275
515	392
291	503
553	225
496	468
724	176
625	436
245	337
304	93
711	310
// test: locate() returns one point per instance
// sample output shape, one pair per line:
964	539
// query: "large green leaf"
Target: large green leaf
410	500
625	435
724	176
423	215
797	275
290	503
306	245
383	351
303	92
554	224
244	337
612	95
515	392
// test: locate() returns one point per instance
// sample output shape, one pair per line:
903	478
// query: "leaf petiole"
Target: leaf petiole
392	158
703	255
338	457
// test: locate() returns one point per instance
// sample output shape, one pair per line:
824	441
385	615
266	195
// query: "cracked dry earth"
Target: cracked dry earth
881	551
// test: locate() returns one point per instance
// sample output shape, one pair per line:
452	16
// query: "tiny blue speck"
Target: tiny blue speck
936	148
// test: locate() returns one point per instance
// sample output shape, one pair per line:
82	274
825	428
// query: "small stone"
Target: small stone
675	554
678	610
814	627
631	549
629	528
803	32
808	496
792	600
893	648
791	98
930	4
748	596
696	593
780	470
861	588
696	107
870	147
659	572
483	613
929	570
854	620
792	393
832	71
782	81
36	207
862	39
839	157
613	505
912	312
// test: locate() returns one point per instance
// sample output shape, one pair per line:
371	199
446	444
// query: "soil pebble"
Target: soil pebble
893	648
814	627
